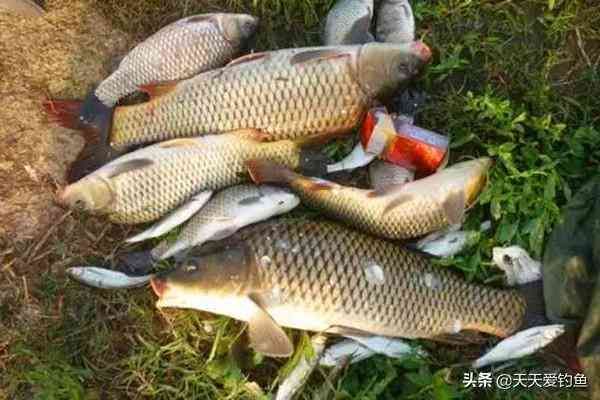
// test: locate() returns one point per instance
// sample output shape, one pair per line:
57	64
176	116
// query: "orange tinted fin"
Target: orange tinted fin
158	89
246	59
318	184
94	120
263	171
317	56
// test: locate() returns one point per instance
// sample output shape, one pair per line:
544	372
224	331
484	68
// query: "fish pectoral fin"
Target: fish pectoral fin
112	171
317	56
174	218
265	335
454	207
251	134
182	142
157	89
247	58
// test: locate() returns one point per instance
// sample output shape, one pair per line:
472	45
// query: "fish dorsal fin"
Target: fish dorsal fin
247	58
454	207
265	335
182	142
158	89
317	56
113	171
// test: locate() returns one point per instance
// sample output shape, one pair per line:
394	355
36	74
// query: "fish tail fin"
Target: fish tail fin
535	309
94	120
264	171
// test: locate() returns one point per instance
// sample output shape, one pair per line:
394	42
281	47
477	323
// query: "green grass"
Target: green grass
508	80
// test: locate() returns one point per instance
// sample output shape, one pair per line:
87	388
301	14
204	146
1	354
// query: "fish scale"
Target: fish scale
283	100
177	51
178	173
328	277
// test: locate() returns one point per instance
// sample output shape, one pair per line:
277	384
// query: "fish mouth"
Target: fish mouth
159	286
422	51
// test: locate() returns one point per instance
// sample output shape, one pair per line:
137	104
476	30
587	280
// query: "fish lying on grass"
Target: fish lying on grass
520	345
359	348
283	94
324	277
146	184
395	22
348	22
25	8
450	241
102	278
226	213
180	50
397	212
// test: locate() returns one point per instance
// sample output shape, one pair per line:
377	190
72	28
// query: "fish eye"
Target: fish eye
507	260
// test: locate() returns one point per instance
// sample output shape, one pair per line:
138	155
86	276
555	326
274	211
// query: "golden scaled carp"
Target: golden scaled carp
325	277
396	212
283	94
150	182
180	50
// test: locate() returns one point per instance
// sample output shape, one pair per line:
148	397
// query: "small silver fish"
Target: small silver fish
520	345
359	348
106	278
395	22
229	211
178	51
348	22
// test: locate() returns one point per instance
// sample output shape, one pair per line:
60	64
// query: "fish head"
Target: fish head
204	275
238	28
91	194
279	199
383	68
